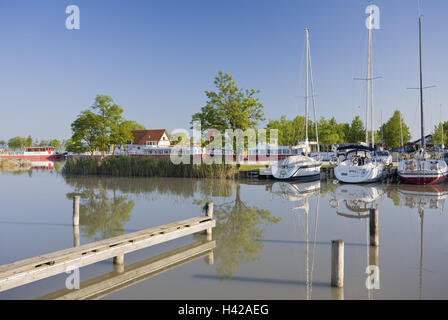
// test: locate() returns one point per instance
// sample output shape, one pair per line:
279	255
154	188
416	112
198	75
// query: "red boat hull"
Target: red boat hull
50	157
423	180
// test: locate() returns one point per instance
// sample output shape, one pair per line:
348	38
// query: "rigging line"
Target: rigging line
419	5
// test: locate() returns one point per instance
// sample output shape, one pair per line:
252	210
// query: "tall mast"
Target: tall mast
306	94
372	117
312	93
369	76
421	82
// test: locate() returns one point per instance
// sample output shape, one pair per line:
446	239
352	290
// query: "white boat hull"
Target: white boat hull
368	173
297	168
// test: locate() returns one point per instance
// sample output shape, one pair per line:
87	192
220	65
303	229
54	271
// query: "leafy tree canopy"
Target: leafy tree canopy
230	107
392	132
101	127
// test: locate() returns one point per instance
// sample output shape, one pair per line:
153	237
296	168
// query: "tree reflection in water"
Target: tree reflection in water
102	216
238	229
105	208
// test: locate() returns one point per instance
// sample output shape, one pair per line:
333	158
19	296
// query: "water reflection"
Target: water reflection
301	193
358	199
101	215
107	204
429	197
105	208
238	229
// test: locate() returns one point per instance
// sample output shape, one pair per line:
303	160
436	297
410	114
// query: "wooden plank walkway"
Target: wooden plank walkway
29	270
109	283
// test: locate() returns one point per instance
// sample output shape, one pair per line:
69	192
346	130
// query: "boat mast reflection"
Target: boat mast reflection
430	197
301	192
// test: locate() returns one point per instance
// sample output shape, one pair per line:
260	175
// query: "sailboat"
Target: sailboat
358	163
422	169
301	167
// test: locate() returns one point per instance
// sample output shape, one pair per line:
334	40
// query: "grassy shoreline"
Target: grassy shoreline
128	166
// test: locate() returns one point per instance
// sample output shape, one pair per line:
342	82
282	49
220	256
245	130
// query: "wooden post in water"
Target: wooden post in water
76	210
210	258
337	263
76	241
209	213
373	221
119	263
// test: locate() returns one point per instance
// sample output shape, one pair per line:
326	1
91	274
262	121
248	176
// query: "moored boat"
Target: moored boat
297	168
356	164
422	169
302	167
35	154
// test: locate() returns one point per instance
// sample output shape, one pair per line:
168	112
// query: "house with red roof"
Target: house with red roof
157	138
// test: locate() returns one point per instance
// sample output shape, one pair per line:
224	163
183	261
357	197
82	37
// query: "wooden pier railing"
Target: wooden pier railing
29	270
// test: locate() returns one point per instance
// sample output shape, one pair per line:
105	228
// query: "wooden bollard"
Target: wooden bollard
373	224
76	210
76	241
337	263
209	213
337	293
119	263
210	258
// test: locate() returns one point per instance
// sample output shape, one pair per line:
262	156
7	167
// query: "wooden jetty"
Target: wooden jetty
109	283
29	270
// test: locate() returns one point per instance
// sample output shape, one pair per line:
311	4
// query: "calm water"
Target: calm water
272	238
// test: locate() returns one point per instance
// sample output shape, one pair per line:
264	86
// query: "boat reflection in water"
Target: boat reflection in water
42	165
296	191
357	198
428	197
302	192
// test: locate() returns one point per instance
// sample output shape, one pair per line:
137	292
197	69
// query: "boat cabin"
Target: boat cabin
39	150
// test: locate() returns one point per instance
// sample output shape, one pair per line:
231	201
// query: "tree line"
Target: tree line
21	142
230	107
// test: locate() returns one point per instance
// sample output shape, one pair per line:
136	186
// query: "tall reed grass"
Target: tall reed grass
128	166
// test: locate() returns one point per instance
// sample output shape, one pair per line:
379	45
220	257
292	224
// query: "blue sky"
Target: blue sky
156	58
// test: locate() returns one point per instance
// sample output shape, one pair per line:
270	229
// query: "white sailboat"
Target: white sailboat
301	167
358	163
422	169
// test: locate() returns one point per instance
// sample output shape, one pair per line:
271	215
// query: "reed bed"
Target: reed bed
128	166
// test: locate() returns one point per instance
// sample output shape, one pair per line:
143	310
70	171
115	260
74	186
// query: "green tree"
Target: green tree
16	143
2	142
100	128
29	142
55	143
230	107
290	132
356	132
330	132
133	125
86	133
437	133
391	131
